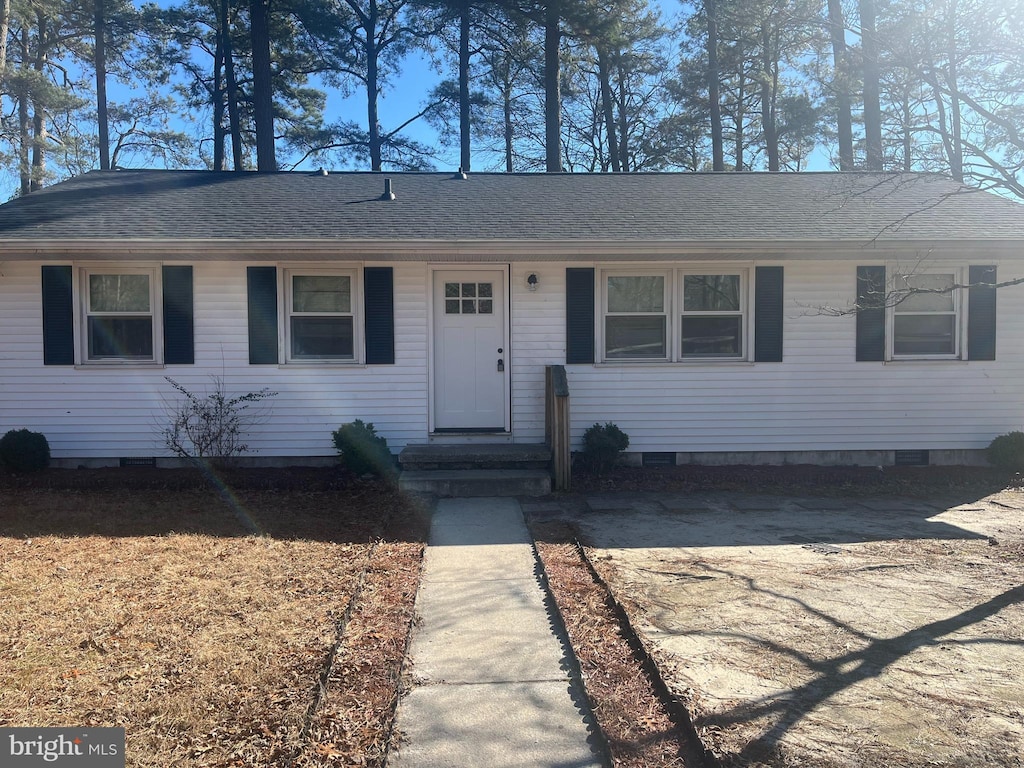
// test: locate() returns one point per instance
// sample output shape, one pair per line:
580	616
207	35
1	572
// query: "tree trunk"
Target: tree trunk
5	21
623	119
841	84
607	107
940	117
218	98
768	89
262	85
231	87
552	88
100	32
872	103
956	158
372	87
908	137
741	107
24	125
464	127
39	111
506	103
714	97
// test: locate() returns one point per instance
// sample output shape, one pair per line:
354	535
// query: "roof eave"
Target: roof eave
221	249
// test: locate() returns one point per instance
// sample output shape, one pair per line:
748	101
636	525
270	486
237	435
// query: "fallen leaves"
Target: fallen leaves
229	633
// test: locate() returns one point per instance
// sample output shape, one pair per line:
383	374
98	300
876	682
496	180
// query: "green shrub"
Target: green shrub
602	445
362	450
25	451
1007	451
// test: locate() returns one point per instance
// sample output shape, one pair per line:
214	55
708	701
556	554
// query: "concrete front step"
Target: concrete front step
477	482
475	456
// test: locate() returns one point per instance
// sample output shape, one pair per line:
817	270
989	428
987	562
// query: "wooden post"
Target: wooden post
556	425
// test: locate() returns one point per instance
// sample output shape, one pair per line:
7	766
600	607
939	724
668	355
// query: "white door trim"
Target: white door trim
504	303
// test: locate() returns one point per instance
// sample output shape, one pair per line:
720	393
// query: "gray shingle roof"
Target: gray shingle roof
627	208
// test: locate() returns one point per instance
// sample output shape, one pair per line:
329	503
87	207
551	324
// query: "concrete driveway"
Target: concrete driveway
828	632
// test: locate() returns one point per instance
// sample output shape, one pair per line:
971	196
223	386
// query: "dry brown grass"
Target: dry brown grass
156	611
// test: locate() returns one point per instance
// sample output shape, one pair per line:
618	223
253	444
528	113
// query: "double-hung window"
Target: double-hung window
321	310
712	316
636	316
926	322
674	315
119	306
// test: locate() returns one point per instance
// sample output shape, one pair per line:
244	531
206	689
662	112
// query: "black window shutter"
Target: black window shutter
262	284
579	315
768	289
179	331
379	311
58	316
981	314
871	313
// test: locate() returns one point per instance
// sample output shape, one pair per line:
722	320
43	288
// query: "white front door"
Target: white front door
470	356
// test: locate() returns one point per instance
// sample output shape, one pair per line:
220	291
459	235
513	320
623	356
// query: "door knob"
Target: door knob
501	365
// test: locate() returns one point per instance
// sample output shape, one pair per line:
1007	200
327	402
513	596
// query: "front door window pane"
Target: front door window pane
477	299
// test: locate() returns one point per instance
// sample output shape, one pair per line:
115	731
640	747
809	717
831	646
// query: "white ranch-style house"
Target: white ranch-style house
712	317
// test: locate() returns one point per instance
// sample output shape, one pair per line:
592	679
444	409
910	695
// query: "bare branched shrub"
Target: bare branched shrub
213	425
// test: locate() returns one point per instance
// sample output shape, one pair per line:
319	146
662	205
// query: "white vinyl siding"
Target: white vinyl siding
819	399
115	412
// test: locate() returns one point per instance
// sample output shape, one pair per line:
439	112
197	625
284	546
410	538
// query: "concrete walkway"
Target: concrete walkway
492	686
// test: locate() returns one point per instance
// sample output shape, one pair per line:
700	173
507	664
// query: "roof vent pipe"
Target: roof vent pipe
388	194
460	174
322	171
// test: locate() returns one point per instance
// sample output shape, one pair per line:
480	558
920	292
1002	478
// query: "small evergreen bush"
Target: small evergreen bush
25	451
362	450
602	444
1007	451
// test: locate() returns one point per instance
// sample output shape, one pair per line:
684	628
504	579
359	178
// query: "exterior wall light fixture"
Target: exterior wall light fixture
532	282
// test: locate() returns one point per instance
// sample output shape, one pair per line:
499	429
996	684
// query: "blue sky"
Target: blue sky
407	93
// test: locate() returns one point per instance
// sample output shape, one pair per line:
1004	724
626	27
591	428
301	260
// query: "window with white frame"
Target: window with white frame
120	310
712	316
926	323
708	311
321	309
636	316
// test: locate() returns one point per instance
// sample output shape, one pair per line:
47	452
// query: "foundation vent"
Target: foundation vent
658	459
911	458
137	461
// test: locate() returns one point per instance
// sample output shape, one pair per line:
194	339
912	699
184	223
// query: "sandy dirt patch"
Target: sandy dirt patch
829	632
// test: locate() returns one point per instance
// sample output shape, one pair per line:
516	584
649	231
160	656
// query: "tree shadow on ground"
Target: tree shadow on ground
835	674
322	504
